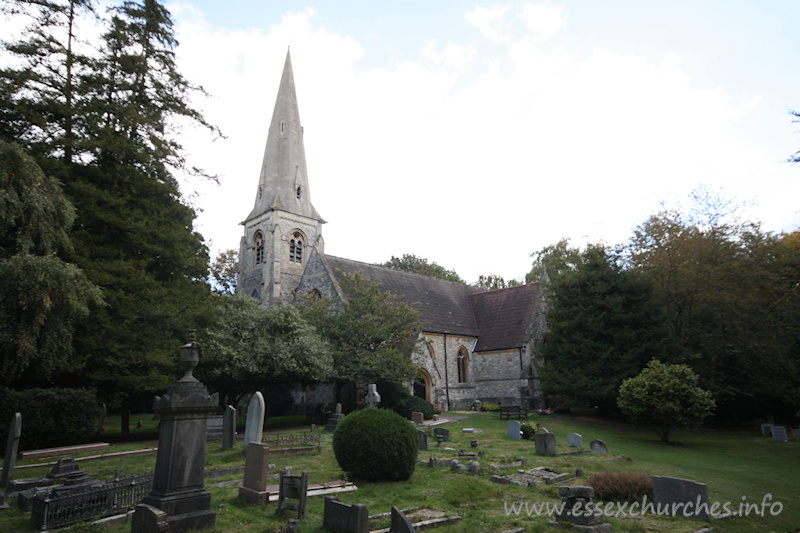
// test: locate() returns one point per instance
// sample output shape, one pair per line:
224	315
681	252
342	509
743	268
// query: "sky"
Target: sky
474	133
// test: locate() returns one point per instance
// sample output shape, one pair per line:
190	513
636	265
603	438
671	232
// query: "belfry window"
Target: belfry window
296	249
463	365
259	248
299	190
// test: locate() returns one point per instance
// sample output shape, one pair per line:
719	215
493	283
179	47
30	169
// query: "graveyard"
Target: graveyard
492	474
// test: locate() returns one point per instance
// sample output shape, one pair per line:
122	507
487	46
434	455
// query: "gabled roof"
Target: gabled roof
503	316
444	305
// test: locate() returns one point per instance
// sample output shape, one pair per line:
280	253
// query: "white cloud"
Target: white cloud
491	22
543	20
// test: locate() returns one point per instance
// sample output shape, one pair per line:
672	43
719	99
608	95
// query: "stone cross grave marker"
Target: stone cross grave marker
598	446
574	440
779	434
512	429
254	427
10	461
228	427
545	444
373	398
684	497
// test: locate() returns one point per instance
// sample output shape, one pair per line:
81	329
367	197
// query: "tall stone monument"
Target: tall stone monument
180	463
14	433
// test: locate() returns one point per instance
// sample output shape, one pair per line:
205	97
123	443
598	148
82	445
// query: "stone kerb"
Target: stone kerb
681	497
254	426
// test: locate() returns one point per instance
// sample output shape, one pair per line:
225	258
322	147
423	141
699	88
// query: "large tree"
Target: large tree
420	265
41	295
372	333
603	327
251	348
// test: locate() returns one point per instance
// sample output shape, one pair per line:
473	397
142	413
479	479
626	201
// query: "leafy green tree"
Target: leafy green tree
492	282
419	265
665	397
726	289
250	348
603	327
372	333
223	272
41	294
553	261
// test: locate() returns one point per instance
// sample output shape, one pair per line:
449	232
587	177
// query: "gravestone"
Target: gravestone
417	417
684	497
541	431
373	398
512	430
254	426
101	419
229	427
64	467
400	523
779	434
256	469
338	516
12	446
293	487
545	444
335	418
571	497
598	446
180	462
213	427
766	430
444	432
574	440
423	440
149	519
3	504
795	433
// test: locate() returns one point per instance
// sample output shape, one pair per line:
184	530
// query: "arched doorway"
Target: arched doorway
422	385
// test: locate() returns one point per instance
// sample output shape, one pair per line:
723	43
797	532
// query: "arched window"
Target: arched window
259	247
463	365
296	249
256	295
299	192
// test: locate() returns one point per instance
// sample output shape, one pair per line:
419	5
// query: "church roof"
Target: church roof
283	182
503	316
444	305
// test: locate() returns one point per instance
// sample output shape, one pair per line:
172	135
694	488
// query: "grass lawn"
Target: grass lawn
734	464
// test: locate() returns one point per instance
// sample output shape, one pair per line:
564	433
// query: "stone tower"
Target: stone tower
283	226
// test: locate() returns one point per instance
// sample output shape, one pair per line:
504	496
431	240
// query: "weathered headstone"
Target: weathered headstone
335	418
101	419
574	440
293	487
545	444
180	462
373	398
214	425
586	521
417	417
444	432
256	469
12	446
681	497
598	446
229	427
512	429
423	440
542	431
254	425
338	516
400	523
64	467
779	434
149	519
766	430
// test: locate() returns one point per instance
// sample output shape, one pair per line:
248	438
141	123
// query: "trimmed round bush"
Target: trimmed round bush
413	404
376	445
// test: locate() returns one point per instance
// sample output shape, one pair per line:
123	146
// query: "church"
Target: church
480	345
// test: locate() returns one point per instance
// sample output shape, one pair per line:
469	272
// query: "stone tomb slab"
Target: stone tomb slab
684	497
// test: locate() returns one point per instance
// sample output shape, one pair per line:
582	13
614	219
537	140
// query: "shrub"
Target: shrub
529	429
50	417
621	486
376	445
392	394
486	406
415	403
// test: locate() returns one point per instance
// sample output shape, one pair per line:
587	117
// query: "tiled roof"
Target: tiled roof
444	305
503	316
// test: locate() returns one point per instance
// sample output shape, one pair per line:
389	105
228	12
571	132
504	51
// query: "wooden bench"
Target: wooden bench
507	411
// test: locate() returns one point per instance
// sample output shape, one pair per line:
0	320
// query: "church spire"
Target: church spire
283	183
